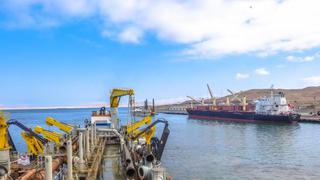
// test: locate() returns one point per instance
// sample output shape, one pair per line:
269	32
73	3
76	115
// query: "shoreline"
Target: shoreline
45	108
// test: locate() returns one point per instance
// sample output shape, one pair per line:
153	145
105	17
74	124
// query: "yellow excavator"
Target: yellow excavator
62	126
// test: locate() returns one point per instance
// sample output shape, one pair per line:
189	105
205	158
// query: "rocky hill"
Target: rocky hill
303	98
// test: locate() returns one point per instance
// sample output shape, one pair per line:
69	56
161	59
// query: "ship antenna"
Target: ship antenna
271	90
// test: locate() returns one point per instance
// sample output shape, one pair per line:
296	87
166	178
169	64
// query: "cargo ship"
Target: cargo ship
273	109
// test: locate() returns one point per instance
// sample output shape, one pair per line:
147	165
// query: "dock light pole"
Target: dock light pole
69	159
48	167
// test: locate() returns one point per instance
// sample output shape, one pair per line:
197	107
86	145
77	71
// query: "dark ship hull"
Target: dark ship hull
242	116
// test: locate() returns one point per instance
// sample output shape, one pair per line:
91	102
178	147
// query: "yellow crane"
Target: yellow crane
34	141
4	136
62	126
115	97
117	93
35	146
133	129
49	135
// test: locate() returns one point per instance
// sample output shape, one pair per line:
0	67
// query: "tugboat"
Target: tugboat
273	109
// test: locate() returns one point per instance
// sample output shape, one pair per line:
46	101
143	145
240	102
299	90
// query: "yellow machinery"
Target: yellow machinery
35	146
116	94
4	139
62	126
133	129
49	135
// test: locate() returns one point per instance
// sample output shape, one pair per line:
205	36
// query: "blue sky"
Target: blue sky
60	53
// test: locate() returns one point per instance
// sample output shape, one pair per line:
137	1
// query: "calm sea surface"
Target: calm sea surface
201	149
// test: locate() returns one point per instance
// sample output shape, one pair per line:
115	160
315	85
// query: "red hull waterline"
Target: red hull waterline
231	119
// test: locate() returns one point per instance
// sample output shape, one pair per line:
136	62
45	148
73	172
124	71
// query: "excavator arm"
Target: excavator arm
62	126
116	94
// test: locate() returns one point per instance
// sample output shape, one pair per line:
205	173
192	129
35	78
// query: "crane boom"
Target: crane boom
210	92
26	129
49	135
116	94
193	99
62	126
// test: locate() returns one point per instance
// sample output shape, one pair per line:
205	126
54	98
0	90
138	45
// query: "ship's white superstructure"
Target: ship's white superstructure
101	118
273	105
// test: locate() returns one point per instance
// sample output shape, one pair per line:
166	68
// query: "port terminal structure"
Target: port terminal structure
84	153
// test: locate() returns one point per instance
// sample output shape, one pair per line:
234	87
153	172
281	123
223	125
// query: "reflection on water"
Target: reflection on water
204	149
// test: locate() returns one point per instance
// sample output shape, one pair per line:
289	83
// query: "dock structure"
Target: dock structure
309	119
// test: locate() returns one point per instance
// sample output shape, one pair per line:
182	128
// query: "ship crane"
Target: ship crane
243	101
35	143
193	99
115	97
214	102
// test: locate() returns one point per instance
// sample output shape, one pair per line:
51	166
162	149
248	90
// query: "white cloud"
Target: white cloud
261	71
304	58
130	35
280	66
240	76
313	80
208	28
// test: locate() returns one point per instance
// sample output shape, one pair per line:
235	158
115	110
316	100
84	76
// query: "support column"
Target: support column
92	136
48	166
95	133
87	143
81	161
69	160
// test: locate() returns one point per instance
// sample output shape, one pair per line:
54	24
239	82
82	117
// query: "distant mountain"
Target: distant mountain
300	97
